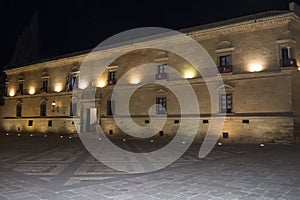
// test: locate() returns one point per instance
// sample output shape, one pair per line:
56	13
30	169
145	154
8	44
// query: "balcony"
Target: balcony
161	76
225	69
111	82
20	92
289	62
43	90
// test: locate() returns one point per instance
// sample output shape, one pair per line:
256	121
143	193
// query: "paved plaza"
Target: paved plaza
61	168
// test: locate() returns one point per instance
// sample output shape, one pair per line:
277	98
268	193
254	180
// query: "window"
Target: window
71	82
112	77
225	103
225	135
287	59
19	110
21	88
161	72
245	121
161	107
74	81
73	109
225	64
176	121
45	86
161	69
50	123
43	110
110	107
5	90
284	53
225	61
30	123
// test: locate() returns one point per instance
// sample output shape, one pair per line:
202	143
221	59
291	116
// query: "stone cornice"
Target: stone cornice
95	55
242	27
47	64
246	26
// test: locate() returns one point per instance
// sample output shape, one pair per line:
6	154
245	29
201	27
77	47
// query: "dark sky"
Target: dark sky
68	26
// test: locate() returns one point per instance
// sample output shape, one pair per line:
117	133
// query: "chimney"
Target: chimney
294	7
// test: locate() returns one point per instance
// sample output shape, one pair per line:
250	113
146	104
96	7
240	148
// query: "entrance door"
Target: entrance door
89	119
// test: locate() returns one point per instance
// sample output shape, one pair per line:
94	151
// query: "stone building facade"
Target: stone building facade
256	55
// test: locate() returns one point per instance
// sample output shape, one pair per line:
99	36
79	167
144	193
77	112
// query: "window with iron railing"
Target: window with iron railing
287	59
111	78
161	72
44	86
21	89
225	64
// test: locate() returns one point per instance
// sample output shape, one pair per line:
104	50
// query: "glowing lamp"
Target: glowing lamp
135	80
189	74
101	84
58	88
12	93
83	85
256	67
31	91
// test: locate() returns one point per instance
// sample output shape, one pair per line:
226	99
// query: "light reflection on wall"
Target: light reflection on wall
58	88
134	80
101	84
31	90
83	84
255	66
189	74
12	92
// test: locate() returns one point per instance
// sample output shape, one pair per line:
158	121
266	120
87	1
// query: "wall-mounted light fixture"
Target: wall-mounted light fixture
58	88
135	80
12	93
31	90
53	107
255	66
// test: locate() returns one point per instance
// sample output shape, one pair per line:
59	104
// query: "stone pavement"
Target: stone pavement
61	168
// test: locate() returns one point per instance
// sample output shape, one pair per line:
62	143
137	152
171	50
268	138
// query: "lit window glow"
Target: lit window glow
299	68
31	90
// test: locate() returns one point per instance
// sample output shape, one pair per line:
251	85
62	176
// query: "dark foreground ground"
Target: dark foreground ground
61	168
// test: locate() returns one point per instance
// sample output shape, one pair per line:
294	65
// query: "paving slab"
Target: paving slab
61	168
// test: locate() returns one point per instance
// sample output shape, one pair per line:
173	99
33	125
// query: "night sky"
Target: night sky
68	26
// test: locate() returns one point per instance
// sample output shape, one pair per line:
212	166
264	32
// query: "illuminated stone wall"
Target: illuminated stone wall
264	94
